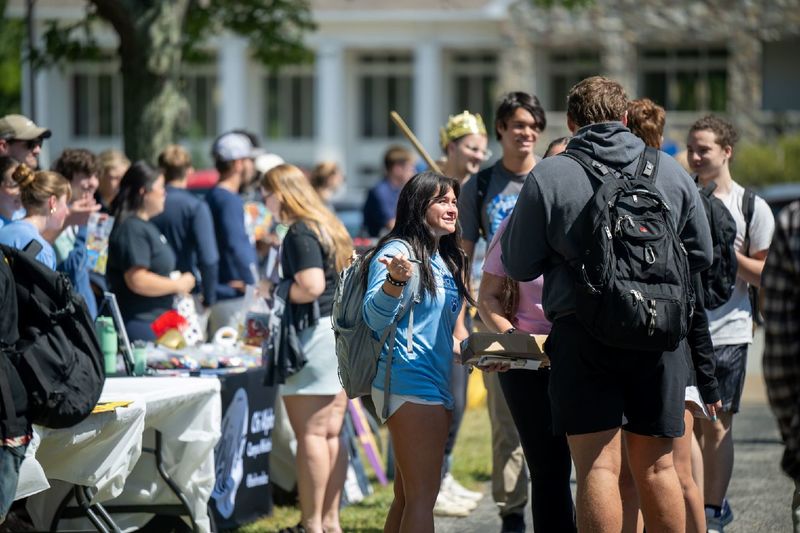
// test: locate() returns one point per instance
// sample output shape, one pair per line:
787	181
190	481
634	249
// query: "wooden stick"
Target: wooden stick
398	120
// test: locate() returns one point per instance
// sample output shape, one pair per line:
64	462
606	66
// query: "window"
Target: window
385	83
568	67
96	109
474	84
289	106
201	92
685	79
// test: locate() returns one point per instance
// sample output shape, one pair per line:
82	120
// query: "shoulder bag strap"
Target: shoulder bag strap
483	177
748	206
392	336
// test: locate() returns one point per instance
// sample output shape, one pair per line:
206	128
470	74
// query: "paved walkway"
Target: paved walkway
760	494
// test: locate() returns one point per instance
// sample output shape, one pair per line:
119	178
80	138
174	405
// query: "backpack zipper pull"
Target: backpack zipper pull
608	232
651	324
637	296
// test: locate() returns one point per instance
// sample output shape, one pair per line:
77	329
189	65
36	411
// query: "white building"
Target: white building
431	58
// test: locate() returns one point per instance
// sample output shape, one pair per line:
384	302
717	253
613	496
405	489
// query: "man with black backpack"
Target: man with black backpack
15	428
616	230
710	148
486	199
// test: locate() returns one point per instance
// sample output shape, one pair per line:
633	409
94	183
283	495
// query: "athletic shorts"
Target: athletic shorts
595	388
730	373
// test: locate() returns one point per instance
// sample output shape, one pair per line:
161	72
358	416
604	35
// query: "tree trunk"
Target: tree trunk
154	110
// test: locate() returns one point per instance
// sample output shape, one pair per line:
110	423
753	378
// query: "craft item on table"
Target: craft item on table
107	407
185	306
175	362
256	318
168	320
172	338
226	336
518	349
98	231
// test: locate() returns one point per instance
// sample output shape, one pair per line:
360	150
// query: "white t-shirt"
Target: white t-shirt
732	322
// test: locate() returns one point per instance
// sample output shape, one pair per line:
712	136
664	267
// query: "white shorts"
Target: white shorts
396	401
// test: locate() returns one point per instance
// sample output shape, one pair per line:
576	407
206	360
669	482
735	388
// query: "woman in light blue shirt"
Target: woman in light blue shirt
44	196
424	243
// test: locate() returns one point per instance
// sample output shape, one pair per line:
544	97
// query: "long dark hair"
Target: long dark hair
411	226
130	199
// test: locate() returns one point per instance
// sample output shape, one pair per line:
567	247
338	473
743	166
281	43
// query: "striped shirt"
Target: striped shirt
780	283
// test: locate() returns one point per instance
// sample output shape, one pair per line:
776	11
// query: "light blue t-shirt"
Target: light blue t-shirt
20	232
425	372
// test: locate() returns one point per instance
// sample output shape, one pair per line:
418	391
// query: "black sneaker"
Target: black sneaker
513	523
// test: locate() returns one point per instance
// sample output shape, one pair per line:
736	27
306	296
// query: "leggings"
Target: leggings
547	455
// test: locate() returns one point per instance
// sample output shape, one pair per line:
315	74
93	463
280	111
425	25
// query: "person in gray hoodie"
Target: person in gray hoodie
600	394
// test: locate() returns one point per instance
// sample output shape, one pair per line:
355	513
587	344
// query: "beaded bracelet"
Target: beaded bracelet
395	282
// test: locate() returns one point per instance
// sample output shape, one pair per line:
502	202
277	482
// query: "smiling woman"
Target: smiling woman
419	266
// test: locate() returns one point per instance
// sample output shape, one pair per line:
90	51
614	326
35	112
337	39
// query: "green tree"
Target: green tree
12	33
157	36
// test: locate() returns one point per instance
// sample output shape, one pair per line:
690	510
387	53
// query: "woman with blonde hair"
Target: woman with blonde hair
113	165
44	196
315	248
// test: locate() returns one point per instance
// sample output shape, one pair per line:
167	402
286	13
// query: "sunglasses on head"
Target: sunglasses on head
30	144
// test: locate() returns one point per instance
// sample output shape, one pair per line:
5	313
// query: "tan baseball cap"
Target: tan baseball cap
22	128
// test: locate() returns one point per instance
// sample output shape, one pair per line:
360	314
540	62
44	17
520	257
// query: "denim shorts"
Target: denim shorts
10	459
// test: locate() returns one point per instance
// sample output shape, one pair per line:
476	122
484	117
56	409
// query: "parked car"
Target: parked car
779	195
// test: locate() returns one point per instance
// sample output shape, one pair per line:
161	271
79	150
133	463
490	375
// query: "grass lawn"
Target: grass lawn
472	465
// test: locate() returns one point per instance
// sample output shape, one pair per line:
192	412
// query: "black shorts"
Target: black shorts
730	373
594	387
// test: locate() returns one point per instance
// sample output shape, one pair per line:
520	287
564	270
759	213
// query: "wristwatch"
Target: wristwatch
512	329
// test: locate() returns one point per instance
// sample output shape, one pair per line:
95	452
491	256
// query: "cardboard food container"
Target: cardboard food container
515	346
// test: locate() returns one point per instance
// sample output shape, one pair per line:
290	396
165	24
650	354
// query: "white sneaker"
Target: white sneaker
451	486
448	506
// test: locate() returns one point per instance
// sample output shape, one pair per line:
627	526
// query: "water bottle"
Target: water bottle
107	335
139	358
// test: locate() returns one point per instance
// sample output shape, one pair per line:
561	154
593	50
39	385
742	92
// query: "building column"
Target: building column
330	101
427	96
618	55
232	73
745	82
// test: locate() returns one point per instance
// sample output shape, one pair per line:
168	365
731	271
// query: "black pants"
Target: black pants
547	455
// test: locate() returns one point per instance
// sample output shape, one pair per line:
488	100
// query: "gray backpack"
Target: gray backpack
357	349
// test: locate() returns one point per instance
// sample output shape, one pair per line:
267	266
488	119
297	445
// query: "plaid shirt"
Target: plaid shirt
780	283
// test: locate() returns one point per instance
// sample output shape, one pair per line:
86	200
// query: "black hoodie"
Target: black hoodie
543	232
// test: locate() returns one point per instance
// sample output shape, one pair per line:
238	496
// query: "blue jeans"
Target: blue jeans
10	459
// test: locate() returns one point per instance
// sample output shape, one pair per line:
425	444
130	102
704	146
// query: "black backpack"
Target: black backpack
59	357
633	289
719	279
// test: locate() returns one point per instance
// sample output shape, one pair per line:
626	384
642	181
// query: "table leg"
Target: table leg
162	470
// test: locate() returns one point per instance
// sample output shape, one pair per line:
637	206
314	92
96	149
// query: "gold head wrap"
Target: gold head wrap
459	125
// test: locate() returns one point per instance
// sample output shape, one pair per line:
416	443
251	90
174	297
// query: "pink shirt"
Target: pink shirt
530	315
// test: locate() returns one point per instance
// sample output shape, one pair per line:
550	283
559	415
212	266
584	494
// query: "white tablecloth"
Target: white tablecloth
187	411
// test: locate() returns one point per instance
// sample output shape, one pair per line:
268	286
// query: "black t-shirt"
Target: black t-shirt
302	250
136	242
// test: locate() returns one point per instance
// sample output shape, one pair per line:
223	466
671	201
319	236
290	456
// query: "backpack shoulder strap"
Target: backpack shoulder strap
748	207
648	164
592	167
392	333
33	248
483	177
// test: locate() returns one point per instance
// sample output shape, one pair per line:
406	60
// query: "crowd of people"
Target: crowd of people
649	430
